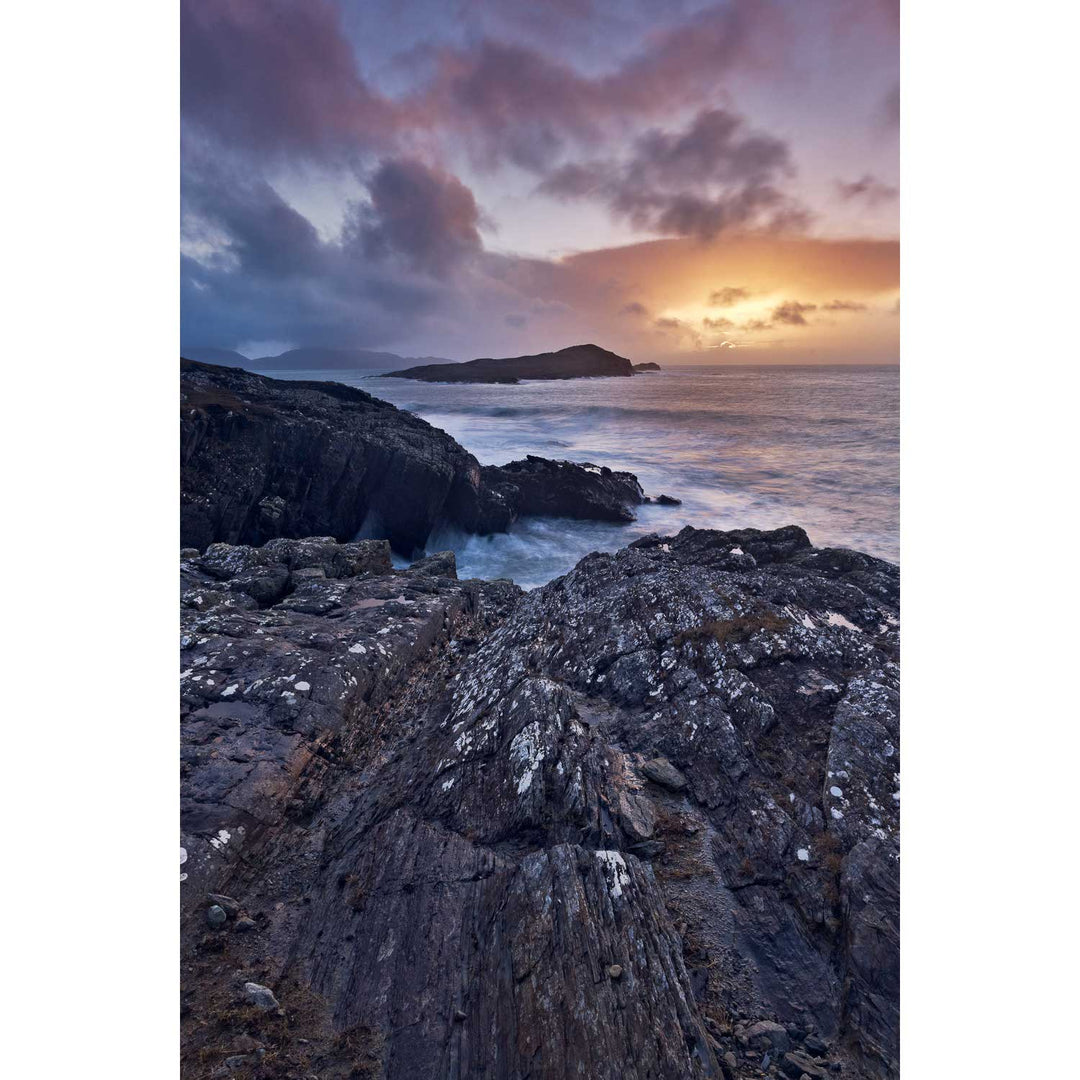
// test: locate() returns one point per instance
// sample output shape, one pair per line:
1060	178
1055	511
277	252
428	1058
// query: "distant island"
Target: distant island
311	358
575	362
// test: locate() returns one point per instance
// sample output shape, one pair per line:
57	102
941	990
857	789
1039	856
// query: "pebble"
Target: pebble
215	916
245	925
615	971
260	996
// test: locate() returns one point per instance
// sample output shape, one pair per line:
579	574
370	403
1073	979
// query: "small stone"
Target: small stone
730	1060
797	1064
261	997
236	1061
245	925
815	1046
765	1035
615	971
231	906
661	771
215	916
459	1016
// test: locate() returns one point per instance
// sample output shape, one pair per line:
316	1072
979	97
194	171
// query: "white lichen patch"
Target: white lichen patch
836	792
303	686
526	755
802	855
835	619
837	814
386	949
736	551
230	690
615	870
223	837
358	649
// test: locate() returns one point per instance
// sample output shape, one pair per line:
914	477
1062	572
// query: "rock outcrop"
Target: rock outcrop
544	488
264	458
640	822
647	366
575	362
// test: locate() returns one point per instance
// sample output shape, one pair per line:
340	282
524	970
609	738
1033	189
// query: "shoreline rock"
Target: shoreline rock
432	795
264	458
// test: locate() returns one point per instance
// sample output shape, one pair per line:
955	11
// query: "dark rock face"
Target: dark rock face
575	362
647	366
264	458
546	488
641	822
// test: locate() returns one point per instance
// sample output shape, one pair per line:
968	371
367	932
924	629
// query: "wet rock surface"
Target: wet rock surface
544	488
264	458
641	822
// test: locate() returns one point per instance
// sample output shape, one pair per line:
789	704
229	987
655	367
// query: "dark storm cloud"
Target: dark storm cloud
712	176
728	296
267	273
276	78
868	189
257	231
426	216
513	103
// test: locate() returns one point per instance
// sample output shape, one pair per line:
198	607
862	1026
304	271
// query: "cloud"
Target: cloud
791	313
255	267
843	305
634	308
710	177
889	109
717	324
276	78
422	214
728	296
509	102
867	188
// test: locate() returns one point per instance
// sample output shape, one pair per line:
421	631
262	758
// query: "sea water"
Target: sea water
742	446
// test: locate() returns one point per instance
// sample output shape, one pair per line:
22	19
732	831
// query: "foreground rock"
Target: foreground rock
641	822
575	362
264	458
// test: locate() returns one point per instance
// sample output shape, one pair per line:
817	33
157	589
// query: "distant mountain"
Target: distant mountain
312	358
320	359
208	355
575	362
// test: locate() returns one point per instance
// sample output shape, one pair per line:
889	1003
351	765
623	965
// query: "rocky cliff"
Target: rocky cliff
575	362
264	458
641	822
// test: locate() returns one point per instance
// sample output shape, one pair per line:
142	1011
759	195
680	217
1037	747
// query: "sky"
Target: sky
686	181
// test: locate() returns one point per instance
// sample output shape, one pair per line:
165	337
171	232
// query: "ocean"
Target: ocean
742	446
